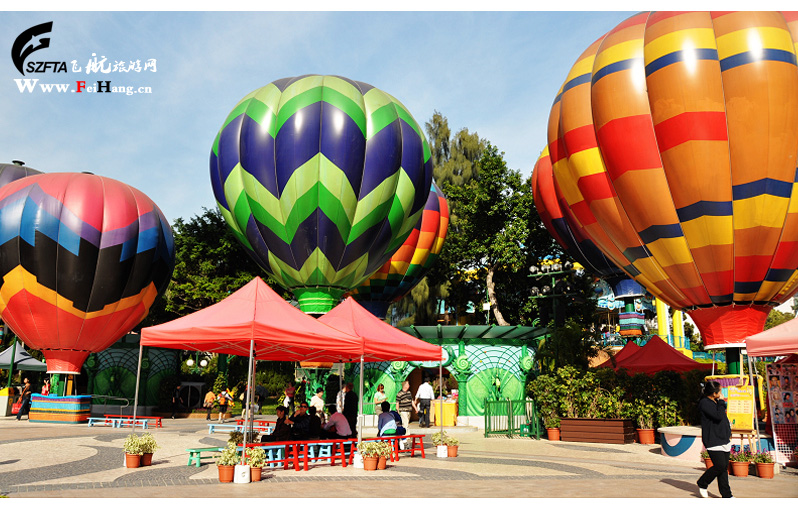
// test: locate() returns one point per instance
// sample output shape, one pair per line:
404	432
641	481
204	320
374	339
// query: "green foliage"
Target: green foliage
229	456
742	456
236	437
704	454
256	457
220	383
454	157
763	457
441	438
148	443
568	345
132	444
777	318
374	449
665	399
451	441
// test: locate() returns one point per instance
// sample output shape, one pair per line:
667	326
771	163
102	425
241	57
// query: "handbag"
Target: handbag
15	408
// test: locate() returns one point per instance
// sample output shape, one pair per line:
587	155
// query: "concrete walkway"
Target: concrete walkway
59	460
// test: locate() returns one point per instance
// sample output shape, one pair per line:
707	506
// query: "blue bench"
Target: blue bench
237	427
274	453
195	455
118	422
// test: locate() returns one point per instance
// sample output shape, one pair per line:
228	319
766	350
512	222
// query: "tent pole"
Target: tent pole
360	410
138	378
751	380
440	394
247	424
13	355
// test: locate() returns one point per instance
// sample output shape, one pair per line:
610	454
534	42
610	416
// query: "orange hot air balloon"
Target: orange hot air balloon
680	130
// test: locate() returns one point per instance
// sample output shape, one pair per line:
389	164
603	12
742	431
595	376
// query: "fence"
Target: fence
512	417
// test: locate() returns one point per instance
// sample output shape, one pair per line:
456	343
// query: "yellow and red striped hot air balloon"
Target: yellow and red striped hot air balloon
680	131
411	262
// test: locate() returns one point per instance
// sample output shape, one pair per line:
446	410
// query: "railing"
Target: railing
96	398
506	417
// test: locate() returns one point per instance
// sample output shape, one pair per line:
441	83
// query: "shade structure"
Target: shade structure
657	355
22	360
780	340
381	341
280	331
624	353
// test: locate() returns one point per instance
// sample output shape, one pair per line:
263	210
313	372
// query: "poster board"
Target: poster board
782	388
739	396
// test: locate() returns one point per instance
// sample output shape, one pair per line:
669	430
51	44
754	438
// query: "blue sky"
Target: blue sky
495	73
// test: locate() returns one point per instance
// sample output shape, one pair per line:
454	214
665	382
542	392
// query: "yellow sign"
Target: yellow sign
740	409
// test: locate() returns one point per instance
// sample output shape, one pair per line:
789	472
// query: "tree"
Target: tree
210	264
454	158
777	318
489	225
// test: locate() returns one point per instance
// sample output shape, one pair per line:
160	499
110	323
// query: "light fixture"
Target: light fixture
486	306
534	269
203	363
190	362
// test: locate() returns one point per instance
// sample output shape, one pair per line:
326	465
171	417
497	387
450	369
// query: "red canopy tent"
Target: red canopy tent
657	355
381	341
256	313
780	340
624	353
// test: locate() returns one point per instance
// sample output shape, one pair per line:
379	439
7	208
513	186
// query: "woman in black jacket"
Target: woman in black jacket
716	436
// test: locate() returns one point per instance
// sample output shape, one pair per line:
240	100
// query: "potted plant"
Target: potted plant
227	463
148	447
384	450
552	424
370	451
764	465
236	437
132	448
439	441
256	458
706	458
739	462
645	421
452	444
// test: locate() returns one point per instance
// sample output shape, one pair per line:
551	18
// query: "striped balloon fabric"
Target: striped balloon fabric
321	179
11	172
408	266
680	130
82	259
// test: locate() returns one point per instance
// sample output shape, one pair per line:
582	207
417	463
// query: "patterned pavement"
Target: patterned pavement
72	460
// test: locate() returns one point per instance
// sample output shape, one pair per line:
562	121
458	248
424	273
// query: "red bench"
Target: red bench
157	420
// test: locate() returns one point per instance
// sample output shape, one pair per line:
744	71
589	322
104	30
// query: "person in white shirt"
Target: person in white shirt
337	427
424	396
317	401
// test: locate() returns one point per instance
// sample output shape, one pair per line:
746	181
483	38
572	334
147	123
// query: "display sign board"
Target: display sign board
740	407
782	388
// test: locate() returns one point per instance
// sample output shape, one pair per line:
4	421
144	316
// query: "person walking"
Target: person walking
404	403
27	392
716	436
224	398
424	396
177	400
210	400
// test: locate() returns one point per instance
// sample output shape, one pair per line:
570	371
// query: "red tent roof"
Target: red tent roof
624	353
281	331
657	355
780	340
382	342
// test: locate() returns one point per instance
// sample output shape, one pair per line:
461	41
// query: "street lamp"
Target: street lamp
195	366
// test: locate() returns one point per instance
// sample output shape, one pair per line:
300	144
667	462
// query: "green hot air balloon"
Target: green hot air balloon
322	179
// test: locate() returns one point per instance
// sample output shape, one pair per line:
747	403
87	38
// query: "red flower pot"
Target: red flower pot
146	459
369	463
739	468
226	473
382	462
553	434
764	470
646	436
708	462
255	474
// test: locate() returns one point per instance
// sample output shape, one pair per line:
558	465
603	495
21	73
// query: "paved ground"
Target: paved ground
52	460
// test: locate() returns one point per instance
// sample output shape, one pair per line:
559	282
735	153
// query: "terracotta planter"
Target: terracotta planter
597	431
764	470
226	473
553	434
146	459
453	450
739	468
382	462
646	436
370	463
708	462
132	460
255	473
